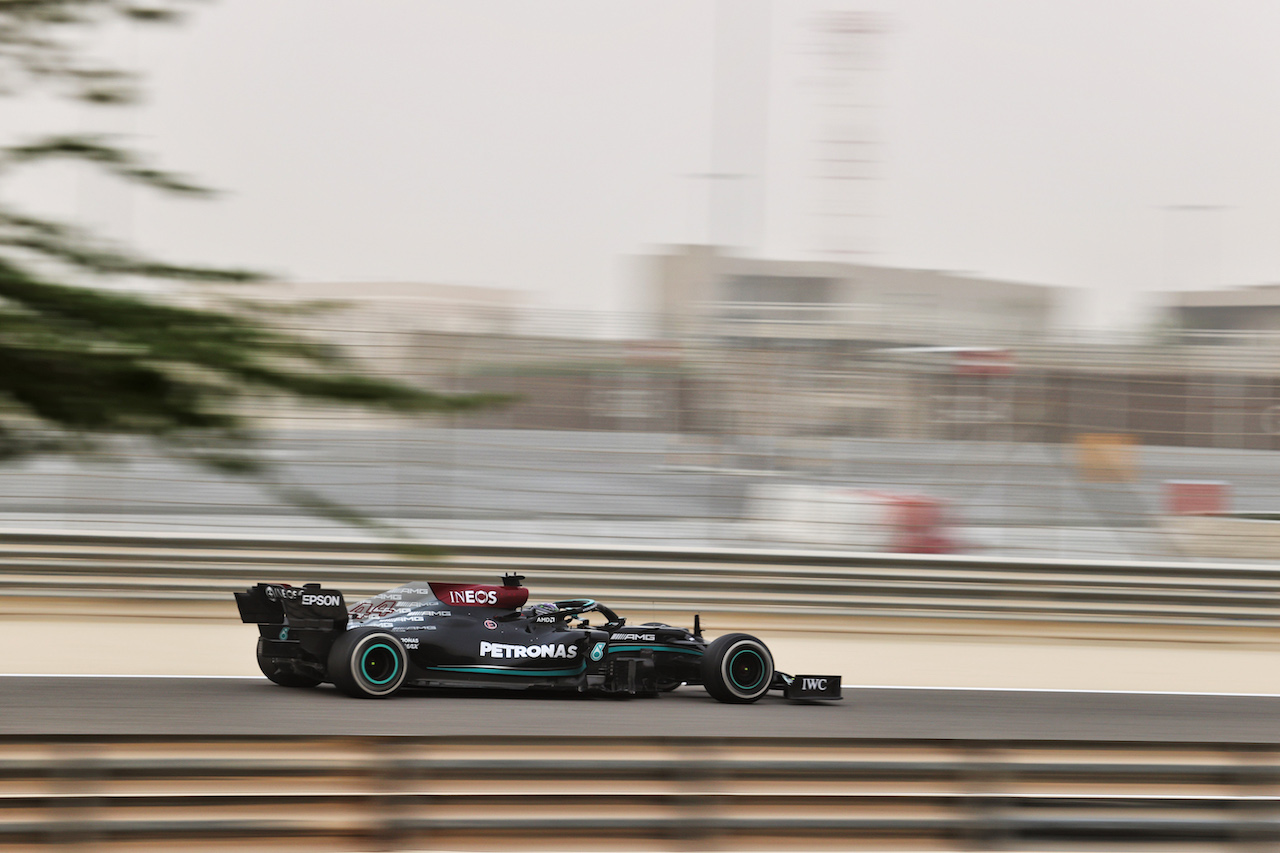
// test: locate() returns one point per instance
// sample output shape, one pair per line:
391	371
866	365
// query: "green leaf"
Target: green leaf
100	151
81	365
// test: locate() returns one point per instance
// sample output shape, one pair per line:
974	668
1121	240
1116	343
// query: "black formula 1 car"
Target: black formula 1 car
430	634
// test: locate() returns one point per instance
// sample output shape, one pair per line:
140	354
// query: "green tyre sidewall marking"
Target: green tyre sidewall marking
395	656
358	667
759	660
717	664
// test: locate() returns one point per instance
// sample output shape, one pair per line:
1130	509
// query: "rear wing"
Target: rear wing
303	608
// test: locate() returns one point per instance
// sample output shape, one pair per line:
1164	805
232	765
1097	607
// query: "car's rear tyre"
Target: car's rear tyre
281	676
368	664
737	668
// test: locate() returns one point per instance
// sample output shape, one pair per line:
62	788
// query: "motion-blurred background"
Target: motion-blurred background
937	341
822	415
988	277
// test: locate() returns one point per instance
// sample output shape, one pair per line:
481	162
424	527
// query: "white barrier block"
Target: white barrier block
867	520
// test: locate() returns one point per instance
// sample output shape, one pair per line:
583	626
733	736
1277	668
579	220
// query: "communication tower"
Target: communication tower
848	44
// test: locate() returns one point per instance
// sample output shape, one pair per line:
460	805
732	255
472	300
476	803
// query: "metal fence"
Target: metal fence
582	793
959	441
771	587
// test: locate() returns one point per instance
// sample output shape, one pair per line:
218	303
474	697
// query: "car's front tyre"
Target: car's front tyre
737	668
368	664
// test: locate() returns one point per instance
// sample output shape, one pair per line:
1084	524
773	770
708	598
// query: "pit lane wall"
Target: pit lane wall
505	792
158	605
920	654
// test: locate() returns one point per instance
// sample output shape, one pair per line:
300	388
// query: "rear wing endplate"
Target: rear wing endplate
308	607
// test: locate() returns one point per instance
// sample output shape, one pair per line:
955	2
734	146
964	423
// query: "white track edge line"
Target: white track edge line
116	675
1100	691
842	686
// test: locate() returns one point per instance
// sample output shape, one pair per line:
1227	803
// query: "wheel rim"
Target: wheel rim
746	669
379	664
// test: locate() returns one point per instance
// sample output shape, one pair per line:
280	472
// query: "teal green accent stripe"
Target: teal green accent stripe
753	685
679	649
506	670
394	669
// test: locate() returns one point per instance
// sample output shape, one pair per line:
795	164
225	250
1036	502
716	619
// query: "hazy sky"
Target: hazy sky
542	144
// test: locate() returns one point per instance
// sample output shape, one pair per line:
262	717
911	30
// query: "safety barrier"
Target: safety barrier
791	583
587	793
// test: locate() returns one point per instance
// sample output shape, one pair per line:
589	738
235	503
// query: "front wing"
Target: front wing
809	686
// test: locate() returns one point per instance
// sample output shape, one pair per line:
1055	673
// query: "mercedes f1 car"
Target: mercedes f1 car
430	634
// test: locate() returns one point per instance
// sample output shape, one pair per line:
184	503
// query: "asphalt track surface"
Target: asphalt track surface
103	706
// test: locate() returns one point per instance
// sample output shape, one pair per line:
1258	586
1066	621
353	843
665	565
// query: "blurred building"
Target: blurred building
419	332
749	350
421	306
700	289
1237	309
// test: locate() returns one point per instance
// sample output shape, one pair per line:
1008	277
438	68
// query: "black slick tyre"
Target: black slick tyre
281	676
737	668
368	664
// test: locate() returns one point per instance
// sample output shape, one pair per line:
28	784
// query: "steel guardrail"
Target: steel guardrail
579	792
795	583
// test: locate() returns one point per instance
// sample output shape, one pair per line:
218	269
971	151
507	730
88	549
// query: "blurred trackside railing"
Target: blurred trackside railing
592	793
768	583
